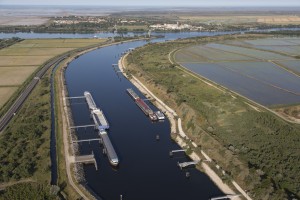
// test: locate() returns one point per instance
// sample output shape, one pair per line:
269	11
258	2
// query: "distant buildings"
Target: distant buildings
176	26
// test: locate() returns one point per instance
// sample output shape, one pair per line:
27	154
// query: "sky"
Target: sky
170	3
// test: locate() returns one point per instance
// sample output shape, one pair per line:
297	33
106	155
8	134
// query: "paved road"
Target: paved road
23	96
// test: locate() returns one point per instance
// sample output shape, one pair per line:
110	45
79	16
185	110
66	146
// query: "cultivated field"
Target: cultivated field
20	60
5	93
242	19
261	70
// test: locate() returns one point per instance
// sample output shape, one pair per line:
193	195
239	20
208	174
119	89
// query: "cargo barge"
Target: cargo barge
133	94
100	119
90	101
110	151
142	105
102	124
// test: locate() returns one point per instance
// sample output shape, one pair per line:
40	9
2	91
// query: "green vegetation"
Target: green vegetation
24	146
8	42
259	150
27	191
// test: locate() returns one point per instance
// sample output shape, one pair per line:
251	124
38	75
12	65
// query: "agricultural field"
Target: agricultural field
19	61
262	70
242	19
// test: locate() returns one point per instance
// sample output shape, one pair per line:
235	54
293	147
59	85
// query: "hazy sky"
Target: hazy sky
170	3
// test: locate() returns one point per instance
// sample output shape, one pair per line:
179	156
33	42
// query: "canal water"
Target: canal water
146	170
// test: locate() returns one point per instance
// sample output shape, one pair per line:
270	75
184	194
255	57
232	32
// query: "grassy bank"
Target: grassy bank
259	150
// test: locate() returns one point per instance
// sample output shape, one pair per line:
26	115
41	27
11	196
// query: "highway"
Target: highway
25	93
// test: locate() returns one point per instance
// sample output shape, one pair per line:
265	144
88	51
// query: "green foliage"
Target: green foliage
26	191
24	145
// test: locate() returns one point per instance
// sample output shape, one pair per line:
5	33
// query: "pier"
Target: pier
87	140
83	126
176	151
186	164
229	196
86	159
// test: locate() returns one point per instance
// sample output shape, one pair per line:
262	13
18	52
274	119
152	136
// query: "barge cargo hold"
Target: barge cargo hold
90	101
132	94
111	154
100	119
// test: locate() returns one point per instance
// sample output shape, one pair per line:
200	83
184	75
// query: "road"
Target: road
23	96
25	93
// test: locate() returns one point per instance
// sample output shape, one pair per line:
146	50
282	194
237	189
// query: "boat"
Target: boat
160	115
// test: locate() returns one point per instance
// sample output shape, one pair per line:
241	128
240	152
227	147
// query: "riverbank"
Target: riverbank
176	128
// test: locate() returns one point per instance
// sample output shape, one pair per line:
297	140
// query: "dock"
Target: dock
229	196
176	151
86	159
186	164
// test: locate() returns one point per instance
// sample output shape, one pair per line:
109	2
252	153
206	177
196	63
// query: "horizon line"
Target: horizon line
174	6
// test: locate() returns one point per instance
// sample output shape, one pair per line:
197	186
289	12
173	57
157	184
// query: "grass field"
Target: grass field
15	75
19	61
5	93
255	147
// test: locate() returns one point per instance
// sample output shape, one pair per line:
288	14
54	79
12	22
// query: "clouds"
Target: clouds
170	3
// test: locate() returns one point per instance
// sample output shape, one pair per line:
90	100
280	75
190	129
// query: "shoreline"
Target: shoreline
172	115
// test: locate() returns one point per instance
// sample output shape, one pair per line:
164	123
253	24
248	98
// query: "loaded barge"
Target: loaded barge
154	116
102	125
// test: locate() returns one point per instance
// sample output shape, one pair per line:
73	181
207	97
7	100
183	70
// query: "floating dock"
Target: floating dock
142	105
110	151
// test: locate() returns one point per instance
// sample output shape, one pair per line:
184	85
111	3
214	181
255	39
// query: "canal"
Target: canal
146	170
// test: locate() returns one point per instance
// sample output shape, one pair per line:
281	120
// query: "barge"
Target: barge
133	94
142	105
110	151
160	115
90	101
100	119
102	124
